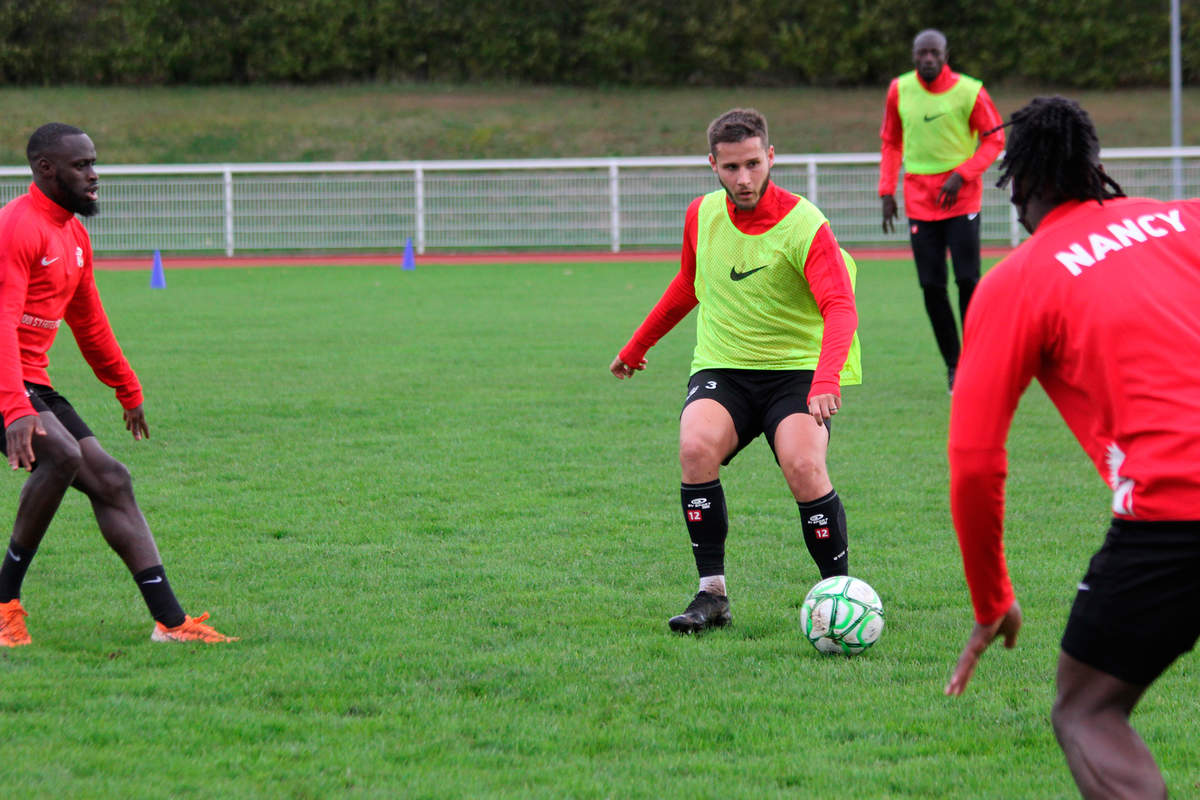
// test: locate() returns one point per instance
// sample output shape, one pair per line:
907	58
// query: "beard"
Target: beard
76	202
762	187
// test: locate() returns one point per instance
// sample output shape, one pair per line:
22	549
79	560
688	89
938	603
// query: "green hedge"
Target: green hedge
1084	43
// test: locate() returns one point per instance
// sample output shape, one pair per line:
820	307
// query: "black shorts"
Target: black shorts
44	398
930	239
757	399
1135	611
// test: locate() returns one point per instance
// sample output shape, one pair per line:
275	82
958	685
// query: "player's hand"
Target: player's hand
135	422
948	194
18	440
890	213
981	638
623	370
823	406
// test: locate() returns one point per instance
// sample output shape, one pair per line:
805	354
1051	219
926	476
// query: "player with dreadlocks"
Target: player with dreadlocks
1100	305
1068	171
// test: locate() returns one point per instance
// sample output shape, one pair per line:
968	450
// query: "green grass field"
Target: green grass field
450	541
364	122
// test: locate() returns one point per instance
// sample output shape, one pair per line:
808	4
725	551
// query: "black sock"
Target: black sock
707	523
158	596
824	524
12	571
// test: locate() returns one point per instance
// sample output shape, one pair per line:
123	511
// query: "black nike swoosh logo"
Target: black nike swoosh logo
734	275
935	116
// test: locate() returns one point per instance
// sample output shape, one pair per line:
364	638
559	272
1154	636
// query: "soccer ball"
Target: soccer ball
842	615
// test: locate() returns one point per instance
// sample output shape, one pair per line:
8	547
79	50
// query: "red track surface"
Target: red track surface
397	259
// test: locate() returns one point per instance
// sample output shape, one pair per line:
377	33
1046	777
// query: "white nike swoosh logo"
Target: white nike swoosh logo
48	261
152	580
972	216
13	555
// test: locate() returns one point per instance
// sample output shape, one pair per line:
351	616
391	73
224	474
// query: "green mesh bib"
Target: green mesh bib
756	308
937	133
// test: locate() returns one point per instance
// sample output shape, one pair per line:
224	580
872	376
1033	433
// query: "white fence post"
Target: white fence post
614	206
811	166
419	192
229	213
1014	226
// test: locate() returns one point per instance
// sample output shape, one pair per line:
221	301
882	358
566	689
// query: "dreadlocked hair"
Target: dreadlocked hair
1053	152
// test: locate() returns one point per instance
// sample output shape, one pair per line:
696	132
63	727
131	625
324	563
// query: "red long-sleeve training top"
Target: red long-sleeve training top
1102	306
920	191
824	269
46	278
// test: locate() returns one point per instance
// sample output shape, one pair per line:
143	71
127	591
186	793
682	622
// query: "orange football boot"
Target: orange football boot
192	629
12	624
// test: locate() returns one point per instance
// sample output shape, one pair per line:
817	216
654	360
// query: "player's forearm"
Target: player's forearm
977	507
985	120
829	279
973	168
675	303
891	157
891	137
838	336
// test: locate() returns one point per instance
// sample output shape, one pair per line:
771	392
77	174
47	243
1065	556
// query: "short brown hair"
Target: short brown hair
737	125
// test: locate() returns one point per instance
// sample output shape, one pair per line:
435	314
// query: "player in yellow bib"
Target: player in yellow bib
775	342
937	122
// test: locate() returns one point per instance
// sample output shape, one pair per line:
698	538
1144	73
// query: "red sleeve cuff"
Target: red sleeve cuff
130	397
825	387
633	354
16	413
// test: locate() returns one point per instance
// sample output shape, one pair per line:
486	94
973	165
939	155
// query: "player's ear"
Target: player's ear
770	155
712	161
45	168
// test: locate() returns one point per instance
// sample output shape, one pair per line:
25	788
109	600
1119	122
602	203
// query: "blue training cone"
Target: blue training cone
157	279
409	262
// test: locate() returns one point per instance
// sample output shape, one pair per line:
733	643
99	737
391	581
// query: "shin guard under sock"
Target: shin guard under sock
824	524
156	591
12	571
707	524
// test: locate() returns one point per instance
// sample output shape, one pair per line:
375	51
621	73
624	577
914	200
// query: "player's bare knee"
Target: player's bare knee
112	481
698	454
1061	720
803	470
1069	717
60	455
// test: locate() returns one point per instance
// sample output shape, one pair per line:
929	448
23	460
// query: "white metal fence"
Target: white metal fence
586	204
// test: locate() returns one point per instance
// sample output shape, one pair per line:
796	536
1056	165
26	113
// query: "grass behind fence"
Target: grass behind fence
450	541
398	122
